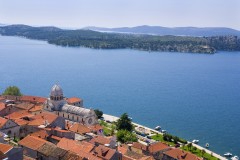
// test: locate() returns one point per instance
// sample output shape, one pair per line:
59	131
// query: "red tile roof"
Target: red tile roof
24	106
104	152
3	121
156	147
79	128
73	100
21	122
42	118
36	108
181	155
2	106
40	134
75	146
4	148
96	127
32	142
101	140
56	138
139	146
19	114
33	99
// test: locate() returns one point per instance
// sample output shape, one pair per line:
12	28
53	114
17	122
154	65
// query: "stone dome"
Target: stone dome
56	91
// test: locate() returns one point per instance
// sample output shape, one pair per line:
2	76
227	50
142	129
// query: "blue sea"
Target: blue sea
193	96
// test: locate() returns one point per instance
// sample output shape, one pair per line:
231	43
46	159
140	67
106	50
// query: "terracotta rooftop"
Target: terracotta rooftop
3	121
21	122
79	128
104	152
71	156
36	108
75	146
139	146
33	99
96	127
19	114
155	147
73	100
42	118
32	142
181	155
4	148
2	106
51	150
56	138
40	134
101	140
24	106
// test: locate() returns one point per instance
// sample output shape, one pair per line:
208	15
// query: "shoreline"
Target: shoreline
114	118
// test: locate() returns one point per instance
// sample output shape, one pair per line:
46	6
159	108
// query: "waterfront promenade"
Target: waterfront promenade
148	130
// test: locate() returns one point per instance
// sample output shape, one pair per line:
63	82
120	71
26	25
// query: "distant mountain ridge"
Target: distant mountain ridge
176	31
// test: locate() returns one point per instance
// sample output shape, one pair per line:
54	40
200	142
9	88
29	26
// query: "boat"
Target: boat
195	141
157	128
164	131
207	145
235	158
228	154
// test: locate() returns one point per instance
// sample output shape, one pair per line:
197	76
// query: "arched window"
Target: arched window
72	117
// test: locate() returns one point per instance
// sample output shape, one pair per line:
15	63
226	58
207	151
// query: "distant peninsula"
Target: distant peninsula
102	40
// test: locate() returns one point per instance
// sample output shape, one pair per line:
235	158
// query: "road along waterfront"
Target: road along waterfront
111	118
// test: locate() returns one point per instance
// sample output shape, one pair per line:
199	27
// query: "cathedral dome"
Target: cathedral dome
56	91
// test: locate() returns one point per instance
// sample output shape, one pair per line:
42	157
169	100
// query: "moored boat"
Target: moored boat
235	158
228	154
157	128
195	141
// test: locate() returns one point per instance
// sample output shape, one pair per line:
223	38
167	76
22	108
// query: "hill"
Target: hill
177	31
100	40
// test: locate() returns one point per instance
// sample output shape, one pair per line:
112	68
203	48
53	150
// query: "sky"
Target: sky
121	13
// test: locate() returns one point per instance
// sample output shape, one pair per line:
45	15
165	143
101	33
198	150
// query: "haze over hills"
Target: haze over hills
176	31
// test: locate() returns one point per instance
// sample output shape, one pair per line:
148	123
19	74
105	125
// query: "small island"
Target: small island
101	40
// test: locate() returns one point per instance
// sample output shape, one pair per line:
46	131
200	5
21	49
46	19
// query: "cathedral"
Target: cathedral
58	104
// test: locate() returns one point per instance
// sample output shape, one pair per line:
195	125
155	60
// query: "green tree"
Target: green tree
203	152
124	123
189	146
98	113
124	136
12	90
194	149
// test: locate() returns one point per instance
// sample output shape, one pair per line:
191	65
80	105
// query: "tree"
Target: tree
12	90
189	146
203	152
124	136
98	113
194	148
124	123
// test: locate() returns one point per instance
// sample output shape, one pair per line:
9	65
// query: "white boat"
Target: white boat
228	154
235	158
195	141
207	145
164	131
157	128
